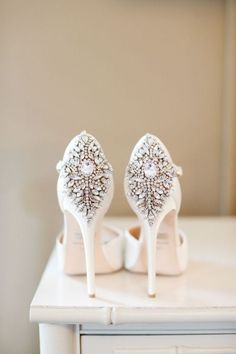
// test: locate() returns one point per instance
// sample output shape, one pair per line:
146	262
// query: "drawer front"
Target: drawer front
148	351
155	344
201	350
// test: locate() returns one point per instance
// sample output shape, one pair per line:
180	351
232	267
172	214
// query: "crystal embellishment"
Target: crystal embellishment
150	170
149	177
87	167
86	174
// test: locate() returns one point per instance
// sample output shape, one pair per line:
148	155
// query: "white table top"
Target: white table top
206	292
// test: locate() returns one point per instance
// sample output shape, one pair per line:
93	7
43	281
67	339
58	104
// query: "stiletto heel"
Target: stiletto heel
151	257
85	190
153	192
88	232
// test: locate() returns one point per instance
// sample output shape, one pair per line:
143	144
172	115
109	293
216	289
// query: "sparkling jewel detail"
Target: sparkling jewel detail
87	167
149	178
150	170
87	175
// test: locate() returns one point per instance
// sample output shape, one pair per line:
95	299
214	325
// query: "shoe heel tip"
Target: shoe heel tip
152	295
92	296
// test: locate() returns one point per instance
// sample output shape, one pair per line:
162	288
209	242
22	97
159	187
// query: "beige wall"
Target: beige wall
117	69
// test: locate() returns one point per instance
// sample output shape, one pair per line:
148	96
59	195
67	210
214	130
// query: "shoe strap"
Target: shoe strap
179	170
59	166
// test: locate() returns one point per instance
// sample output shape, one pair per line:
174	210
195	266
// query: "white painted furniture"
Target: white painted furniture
194	313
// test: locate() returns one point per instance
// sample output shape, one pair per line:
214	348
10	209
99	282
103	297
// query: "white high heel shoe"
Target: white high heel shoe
85	190
153	191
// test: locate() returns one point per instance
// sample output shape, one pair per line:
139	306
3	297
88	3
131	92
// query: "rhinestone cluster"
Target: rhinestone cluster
87	175
149	178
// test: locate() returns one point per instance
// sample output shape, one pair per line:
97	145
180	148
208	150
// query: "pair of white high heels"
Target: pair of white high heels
85	190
